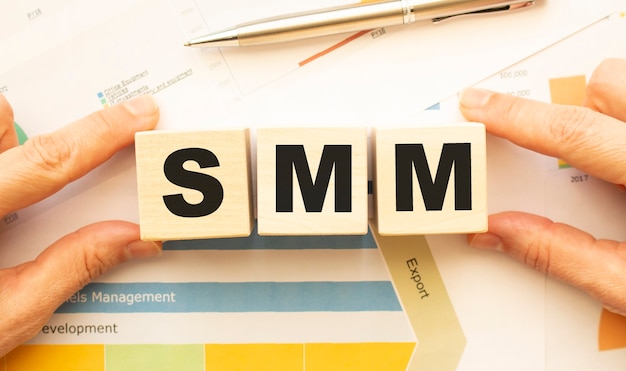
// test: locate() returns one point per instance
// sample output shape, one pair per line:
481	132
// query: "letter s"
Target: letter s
210	187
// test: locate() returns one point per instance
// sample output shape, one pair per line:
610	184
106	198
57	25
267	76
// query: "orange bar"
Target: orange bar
332	48
612	331
568	90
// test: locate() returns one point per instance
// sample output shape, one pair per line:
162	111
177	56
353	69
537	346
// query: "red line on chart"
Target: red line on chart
333	47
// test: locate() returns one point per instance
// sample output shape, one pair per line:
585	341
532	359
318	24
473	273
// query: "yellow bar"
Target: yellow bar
254	357
56	357
358	356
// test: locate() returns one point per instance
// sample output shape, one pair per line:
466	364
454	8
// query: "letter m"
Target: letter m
411	157
290	157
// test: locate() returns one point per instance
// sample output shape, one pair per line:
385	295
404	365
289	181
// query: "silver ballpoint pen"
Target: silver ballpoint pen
350	18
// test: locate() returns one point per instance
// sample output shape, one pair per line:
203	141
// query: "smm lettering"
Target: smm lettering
409	158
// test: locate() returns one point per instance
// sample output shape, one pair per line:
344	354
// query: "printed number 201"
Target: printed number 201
579	178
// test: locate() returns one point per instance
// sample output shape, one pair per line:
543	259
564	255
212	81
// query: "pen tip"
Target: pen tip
187	43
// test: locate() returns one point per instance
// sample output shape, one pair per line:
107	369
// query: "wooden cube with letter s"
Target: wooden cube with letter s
194	185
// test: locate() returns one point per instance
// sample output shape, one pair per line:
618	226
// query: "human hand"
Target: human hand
32	291
591	138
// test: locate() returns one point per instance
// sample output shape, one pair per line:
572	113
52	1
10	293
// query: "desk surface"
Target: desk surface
311	303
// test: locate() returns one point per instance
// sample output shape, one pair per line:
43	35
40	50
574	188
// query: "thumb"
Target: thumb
8	136
563	252
605	89
31	292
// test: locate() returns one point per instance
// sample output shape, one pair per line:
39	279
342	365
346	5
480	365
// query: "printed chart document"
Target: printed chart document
330	302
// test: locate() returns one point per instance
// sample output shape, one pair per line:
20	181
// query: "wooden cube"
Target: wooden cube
312	181
431	179
194	184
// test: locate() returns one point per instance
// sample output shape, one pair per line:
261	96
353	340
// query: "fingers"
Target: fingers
563	252
586	139
46	163
606	89
8	136
31	292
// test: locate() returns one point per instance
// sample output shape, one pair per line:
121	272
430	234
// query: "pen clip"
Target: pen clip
497	9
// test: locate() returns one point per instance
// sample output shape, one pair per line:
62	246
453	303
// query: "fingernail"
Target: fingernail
486	241
474	97
144	249
143	105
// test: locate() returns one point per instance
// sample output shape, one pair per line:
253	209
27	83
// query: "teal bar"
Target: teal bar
256	242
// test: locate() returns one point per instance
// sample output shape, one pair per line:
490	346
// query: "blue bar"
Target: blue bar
256	242
221	297
434	107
